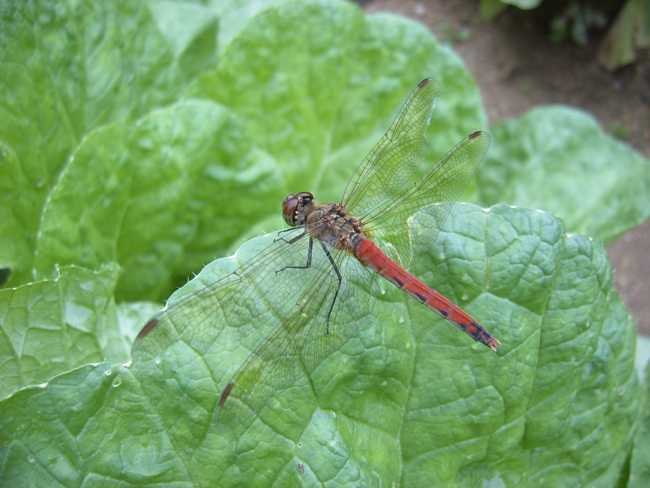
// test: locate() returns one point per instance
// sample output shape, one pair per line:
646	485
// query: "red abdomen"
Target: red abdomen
371	256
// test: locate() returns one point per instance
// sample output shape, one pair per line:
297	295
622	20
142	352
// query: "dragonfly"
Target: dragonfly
316	281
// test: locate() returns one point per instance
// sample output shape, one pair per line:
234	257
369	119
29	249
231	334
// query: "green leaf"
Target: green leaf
311	87
523	4
158	196
318	84
191	31
558	159
489	9
102	161
69	67
629	31
640	456
235	14
52	326
408	401
131	316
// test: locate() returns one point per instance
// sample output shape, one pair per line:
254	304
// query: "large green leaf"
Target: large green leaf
319	84
408	401
640	456
52	326
102	161
146	194
67	68
235	14
558	159
313	85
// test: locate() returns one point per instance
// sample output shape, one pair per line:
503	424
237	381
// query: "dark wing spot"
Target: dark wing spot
224	395
147	328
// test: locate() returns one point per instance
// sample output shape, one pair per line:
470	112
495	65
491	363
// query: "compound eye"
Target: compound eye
305	195
289	209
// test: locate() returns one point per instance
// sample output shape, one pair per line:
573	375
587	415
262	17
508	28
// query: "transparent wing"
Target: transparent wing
397	156
250	300
245	301
409	223
304	337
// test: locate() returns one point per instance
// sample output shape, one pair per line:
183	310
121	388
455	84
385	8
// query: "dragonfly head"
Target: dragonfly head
295	208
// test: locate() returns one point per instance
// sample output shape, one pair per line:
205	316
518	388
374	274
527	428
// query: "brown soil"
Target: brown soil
517	68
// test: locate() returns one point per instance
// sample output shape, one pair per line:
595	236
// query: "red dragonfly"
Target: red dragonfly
316	281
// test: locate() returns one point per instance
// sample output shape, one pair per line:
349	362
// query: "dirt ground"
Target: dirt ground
517	68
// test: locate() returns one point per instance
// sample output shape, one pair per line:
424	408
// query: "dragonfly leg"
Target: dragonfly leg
289	230
311	246
338	287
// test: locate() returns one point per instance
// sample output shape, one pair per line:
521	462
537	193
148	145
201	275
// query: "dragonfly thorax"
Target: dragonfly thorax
334	226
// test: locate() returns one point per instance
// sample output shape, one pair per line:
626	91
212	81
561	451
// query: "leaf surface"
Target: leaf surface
68	68
52	326
558	159
407	401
